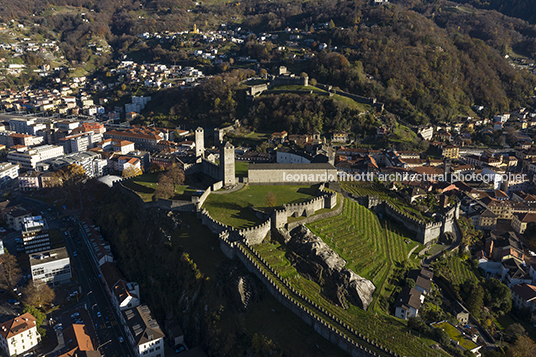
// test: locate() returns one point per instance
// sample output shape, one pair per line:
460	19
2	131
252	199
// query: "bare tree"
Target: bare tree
165	188
271	199
37	294
176	174
9	271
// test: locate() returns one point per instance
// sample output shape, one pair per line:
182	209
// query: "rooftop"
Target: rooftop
48	256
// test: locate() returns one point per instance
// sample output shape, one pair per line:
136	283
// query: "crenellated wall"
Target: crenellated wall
255	235
426	232
214	226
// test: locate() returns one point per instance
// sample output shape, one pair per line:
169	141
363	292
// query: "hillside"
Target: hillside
427	61
524	9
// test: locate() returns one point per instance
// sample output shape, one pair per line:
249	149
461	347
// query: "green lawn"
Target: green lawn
241	169
145	185
232	208
456	335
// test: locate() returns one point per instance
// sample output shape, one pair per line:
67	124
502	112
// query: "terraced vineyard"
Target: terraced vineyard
458	272
371	247
376	189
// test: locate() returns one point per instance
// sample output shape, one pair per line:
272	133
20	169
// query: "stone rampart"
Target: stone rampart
426	232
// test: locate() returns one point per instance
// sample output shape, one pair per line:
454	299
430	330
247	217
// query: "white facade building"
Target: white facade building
52	266
143	332
19	335
28	159
8	172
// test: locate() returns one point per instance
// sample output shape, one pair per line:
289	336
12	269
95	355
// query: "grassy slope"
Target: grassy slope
232	208
354	228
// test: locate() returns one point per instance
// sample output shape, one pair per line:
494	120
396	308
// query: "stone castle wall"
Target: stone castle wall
426	232
308	314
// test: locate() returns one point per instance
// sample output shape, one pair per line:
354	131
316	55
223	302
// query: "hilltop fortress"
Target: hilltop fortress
425	232
259	174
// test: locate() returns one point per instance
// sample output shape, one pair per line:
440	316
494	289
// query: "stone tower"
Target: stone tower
227	164
199	142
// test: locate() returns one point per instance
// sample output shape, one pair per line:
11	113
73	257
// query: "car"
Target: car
180	348
76	314
99	314
121	339
16	303
75	254
12	301
108	324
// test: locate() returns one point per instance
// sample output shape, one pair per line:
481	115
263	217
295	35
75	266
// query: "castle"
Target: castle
260	174
425	232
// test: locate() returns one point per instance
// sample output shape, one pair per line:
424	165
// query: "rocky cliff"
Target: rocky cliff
316	261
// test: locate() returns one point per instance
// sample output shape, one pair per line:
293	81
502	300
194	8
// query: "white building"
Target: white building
35	236
52	266
90	161
19	335
29	158
143	332
8	172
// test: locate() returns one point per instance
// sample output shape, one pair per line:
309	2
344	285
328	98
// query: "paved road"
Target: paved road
93	297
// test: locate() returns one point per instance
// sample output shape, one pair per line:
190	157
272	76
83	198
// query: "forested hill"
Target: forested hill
428	61
524	9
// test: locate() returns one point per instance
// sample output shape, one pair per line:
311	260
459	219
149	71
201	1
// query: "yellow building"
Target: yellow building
451	152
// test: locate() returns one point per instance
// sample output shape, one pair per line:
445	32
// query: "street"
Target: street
93	297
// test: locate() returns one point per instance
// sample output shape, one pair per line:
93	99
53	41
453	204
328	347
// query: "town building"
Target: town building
29	158
19	335
15	217
524	296
143	332
8	172
35	235
79	342
451	152
52	266
408	303
520	221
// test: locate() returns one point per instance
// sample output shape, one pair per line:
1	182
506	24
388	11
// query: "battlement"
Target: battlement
425	231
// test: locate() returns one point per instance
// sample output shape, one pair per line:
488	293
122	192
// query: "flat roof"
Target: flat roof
48	256
319	166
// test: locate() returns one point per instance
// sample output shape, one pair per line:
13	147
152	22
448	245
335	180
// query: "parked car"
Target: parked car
121	339
99	314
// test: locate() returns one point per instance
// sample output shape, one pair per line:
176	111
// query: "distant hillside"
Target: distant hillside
524	9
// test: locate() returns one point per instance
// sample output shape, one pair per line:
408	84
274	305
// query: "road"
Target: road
93	297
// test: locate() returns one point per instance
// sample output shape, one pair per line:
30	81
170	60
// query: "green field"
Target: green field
371	248
145	185
455	335
232	208
376	189
317	91
241	169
